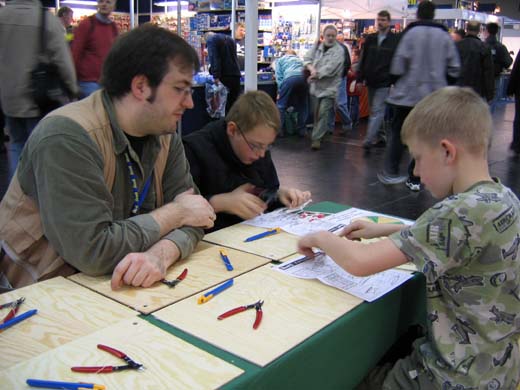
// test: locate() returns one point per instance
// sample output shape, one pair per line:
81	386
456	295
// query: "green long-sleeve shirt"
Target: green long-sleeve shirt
61	168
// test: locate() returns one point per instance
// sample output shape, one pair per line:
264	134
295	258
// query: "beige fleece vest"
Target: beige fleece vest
29	256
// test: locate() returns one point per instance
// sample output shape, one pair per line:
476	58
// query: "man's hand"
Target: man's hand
239	202
195	210
291	197
145	268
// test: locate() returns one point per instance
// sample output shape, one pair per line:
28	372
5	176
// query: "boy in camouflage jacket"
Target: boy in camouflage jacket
466	245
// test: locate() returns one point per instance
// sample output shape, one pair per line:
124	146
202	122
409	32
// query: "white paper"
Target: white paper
305	222
323	268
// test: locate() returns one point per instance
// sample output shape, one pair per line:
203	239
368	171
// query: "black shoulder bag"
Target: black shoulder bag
48	90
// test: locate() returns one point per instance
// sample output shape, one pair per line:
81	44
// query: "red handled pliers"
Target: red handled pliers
180	278
131	365
14	306
257	306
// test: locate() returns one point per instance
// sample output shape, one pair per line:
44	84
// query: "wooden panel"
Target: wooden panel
205	269
170	362
66	311
274	247
294	309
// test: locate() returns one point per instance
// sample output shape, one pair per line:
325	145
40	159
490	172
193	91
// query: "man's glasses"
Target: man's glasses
254	147
188	91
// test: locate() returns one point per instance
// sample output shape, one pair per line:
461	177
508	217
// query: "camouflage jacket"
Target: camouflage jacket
467	247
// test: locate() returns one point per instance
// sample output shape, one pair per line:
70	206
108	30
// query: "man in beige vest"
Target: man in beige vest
103	185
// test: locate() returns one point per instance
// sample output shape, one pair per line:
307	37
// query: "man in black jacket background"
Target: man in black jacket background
476	63
374	69
223	59
501	59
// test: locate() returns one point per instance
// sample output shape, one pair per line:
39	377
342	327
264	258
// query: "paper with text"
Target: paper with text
323	268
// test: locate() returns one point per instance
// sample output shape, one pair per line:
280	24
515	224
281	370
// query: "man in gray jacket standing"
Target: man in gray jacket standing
325	64
19	46
425	60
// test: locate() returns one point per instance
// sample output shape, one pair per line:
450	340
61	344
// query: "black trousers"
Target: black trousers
395	147
233	85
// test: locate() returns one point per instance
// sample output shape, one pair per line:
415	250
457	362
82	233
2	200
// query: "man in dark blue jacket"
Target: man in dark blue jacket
223	60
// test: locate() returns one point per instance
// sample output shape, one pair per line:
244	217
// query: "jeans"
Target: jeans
86	88
19	131
493	103
322	109
376	98
341	106
353	106
294	91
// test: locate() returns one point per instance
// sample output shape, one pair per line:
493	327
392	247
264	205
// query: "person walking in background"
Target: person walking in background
501	59
425	58
66	15
374	70
223	61
20	21
93	39
325	65
293	90
513	88
476	63
341	106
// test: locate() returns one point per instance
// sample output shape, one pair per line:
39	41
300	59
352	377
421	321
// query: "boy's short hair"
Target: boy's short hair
252	109
453	113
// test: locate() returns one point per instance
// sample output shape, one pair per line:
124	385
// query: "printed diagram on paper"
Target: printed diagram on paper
305	222
323	268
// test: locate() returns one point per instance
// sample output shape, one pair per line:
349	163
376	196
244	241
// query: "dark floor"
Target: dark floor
340	171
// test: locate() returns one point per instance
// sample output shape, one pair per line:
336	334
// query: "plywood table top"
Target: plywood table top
274	247
170	363
66	311
294	309
205	269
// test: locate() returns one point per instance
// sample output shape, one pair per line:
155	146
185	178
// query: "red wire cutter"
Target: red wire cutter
131	365
257	306
14	306
180	278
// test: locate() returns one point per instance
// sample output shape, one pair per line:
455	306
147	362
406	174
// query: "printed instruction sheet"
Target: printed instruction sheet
323	268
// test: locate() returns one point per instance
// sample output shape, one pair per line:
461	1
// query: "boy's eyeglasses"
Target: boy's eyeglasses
254	147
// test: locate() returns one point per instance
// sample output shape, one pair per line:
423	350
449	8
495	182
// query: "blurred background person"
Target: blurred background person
20	21
293	90
93	39
223	61
66	16
501	59
476	63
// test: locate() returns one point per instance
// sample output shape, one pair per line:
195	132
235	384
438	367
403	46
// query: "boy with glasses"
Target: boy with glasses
231	164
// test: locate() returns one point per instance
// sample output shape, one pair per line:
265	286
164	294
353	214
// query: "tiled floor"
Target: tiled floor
340	171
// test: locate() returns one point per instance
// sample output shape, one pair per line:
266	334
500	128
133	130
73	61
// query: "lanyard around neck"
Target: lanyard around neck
138	197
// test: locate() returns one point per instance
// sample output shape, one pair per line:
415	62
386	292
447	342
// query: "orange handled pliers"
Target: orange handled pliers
257	306
131	364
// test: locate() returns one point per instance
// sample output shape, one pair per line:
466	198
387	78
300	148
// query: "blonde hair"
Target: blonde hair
252	109
453	113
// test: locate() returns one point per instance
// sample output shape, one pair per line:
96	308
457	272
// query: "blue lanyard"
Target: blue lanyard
138	197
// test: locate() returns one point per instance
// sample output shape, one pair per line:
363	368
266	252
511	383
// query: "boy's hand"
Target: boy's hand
292	197
361	229
306	243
